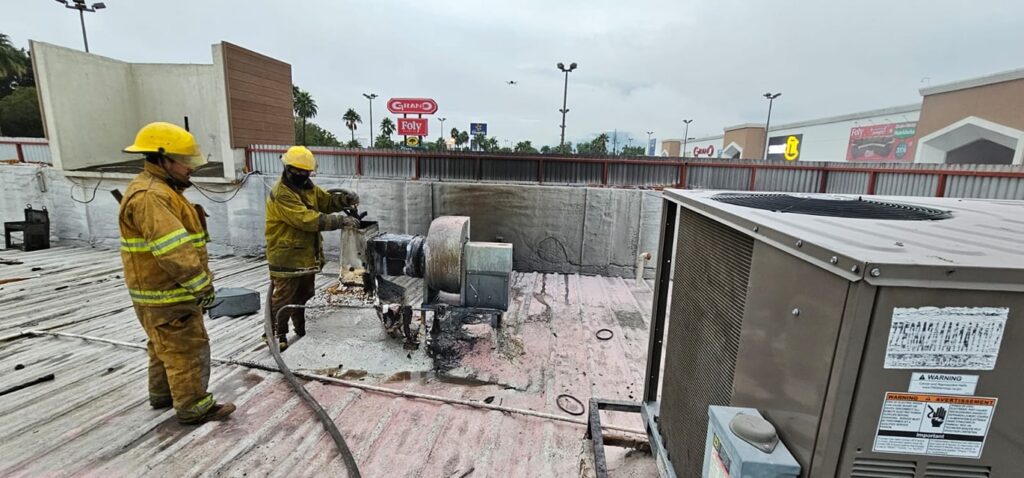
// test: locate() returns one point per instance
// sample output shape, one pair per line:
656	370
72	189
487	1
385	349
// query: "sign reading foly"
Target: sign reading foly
785	147
412	126
883	142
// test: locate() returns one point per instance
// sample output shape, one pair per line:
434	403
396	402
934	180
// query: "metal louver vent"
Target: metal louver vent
874	468
859	208
712	269
942	470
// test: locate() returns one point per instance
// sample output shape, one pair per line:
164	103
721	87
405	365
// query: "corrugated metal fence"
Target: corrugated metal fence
25	150
967	181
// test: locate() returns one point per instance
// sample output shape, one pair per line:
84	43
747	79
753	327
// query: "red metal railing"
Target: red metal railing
824	172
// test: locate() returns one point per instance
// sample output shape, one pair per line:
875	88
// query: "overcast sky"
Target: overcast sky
643	65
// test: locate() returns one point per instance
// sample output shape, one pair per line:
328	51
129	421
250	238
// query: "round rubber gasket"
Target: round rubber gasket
602	336
558	401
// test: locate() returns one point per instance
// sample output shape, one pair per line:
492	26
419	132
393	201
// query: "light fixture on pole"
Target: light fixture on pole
442	125
370	96
686	136
565	96
650	150
82	8
771	99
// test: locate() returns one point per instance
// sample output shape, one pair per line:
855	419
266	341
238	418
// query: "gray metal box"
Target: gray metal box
726	455
487	275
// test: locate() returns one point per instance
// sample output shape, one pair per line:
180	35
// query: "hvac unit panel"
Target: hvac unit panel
1003	450
706	335
790	326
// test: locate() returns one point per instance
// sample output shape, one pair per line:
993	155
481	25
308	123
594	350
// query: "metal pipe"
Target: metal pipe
85	38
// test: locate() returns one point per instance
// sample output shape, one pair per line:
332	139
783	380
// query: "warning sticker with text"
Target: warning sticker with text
937	425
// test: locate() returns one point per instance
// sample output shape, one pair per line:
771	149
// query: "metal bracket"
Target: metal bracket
594	428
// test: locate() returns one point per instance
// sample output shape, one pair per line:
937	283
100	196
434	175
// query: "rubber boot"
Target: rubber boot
217	413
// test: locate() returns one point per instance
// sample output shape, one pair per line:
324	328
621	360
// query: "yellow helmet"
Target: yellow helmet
299	157
170	140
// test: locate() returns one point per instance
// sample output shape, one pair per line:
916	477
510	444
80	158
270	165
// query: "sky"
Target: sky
644	65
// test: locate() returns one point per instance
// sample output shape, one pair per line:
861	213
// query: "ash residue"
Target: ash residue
449	340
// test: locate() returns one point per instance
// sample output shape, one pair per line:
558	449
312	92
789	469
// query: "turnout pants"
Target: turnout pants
289	291
179	359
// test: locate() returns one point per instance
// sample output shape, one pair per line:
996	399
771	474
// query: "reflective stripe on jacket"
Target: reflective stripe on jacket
294	244
163	243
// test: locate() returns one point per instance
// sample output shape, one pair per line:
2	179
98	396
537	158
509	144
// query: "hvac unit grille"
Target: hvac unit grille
852	208
873	468
712	269
941	470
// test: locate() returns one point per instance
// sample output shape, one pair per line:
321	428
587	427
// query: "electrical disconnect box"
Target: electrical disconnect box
742	444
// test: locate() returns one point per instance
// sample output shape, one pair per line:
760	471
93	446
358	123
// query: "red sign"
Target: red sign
706	151
883	142
412	126
422	106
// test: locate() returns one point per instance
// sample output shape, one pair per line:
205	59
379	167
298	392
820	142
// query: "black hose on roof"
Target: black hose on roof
321	414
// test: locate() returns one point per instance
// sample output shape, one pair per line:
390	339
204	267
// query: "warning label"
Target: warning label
945	337
718	466
937	425
944	383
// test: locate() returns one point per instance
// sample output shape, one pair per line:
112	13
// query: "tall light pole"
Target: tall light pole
686	136
648	150
565	96
370	96
82	8
442	125
771	99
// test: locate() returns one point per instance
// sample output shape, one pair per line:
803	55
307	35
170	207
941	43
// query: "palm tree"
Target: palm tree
463	138
600	144
12	60
304	106
387	127
352	120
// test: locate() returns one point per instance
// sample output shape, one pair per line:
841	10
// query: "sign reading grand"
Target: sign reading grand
883	142
422	106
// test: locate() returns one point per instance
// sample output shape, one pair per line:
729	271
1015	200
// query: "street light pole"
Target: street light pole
82	8
771	99
565	97
442	129
648	151
370	96
686	136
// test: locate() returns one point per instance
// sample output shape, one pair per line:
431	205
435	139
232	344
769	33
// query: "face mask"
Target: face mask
296	179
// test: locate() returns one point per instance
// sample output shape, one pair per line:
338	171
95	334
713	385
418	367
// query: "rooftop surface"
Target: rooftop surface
94	418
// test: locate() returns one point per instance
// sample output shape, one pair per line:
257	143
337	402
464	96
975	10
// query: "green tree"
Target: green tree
491	144
440	144
633	151
19	114
525	147
599	146
12	60
387	127
352	121
304	106
545	149
353	144
316	136
463	138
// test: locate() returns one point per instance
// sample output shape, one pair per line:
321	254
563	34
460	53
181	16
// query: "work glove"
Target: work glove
331	222
344	198
205	299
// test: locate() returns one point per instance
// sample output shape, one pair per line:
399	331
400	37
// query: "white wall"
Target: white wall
88	105
714	141
95	105
829	141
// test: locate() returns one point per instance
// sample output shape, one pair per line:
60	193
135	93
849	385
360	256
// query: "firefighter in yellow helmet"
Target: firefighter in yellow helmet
163	248
297	211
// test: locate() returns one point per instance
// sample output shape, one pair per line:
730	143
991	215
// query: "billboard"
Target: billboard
478	128
424	106
883	142
785	148
412	126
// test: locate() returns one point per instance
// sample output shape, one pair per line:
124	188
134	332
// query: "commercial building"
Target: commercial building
974	121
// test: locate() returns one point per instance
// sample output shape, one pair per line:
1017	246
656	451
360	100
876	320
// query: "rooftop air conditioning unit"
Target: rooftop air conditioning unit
882	337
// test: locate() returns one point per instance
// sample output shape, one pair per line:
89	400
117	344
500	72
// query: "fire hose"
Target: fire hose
321	414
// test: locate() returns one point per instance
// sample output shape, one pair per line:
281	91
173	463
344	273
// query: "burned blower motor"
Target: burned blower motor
456	272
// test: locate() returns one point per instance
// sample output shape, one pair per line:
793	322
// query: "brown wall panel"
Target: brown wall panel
750	139
1001	103
259	98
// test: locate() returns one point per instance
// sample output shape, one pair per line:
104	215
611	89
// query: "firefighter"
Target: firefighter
297	211
163	248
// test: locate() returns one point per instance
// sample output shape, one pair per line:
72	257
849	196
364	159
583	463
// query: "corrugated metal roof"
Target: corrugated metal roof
94	418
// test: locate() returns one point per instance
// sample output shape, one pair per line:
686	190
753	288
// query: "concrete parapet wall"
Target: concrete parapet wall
552	228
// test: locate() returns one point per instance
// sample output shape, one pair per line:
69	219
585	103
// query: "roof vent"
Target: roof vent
833	206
